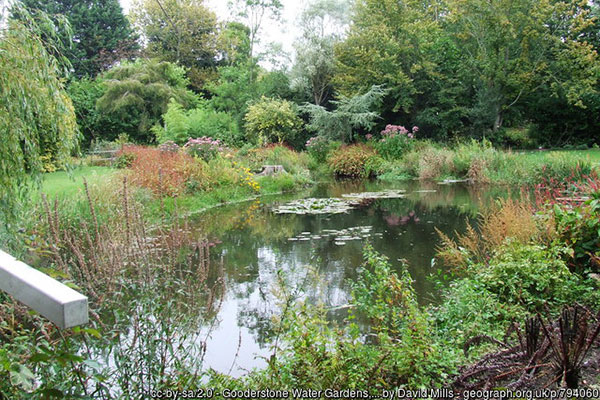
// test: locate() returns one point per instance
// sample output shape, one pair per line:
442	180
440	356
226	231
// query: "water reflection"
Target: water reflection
257	251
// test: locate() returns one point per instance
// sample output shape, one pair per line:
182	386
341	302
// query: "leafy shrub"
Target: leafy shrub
352	161
396	140
124	160
579	228
319	147
394	171
204	121
530	275
519	280
176	125
180	125
271	120
205	148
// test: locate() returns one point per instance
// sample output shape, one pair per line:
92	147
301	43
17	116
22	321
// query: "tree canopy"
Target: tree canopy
100	35
180	31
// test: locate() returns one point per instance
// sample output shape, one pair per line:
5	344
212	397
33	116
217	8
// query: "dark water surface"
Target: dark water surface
258	248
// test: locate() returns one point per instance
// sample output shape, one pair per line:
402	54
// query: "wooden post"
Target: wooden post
55	301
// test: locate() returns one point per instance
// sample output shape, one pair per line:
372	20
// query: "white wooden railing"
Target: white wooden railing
52	299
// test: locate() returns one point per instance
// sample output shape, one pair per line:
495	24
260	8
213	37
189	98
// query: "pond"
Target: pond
278	237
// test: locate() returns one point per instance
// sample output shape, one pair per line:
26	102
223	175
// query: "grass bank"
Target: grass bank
405	158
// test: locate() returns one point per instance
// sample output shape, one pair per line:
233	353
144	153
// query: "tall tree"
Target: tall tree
515	47
388	43
234	42
322	23
180	31
254	13
100	34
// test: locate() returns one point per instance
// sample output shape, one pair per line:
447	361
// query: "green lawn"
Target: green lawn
593	155
65	185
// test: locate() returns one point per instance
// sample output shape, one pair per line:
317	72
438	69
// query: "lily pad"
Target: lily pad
339	237
315	206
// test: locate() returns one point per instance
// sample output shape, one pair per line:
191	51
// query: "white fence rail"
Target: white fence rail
52	299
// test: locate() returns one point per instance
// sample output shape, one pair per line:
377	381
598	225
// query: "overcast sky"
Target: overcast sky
284	32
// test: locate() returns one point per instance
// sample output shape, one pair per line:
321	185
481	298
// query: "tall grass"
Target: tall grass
149	288
480	162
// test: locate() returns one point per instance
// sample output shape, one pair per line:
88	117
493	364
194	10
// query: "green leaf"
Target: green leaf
93	332
23	377
93	364
39	357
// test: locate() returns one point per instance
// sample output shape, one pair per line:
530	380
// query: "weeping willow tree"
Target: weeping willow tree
139	92
37	120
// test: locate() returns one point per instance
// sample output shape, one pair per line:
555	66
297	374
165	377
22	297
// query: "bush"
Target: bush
271	120
353	161
124	160
396	141
579	228
532	276
319	147
180	125
204	121
166	173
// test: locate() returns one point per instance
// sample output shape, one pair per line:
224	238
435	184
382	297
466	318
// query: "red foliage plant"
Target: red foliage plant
570	191
164	172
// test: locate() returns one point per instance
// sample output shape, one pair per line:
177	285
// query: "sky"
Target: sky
283	33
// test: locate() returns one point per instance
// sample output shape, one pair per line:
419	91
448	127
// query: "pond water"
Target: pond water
257	247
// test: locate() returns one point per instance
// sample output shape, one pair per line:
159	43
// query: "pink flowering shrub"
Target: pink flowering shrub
395	141
169	147
205	148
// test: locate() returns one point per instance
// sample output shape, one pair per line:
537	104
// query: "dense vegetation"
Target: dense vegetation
379	89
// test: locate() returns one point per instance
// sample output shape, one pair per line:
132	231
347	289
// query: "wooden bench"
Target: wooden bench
106	157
